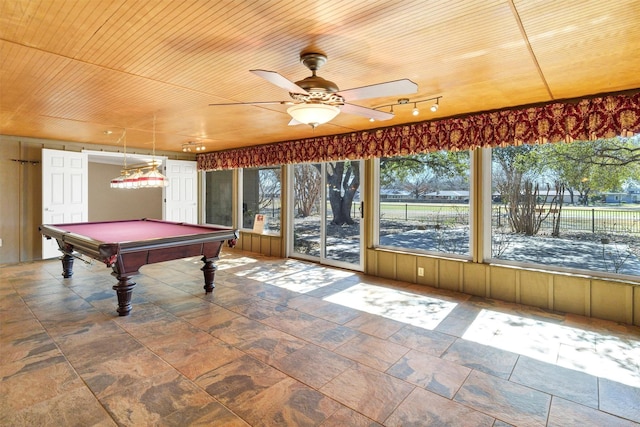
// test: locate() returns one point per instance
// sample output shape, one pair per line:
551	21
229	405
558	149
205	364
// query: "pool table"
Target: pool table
125	246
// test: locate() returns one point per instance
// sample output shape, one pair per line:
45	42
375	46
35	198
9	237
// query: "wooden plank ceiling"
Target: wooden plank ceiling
71	70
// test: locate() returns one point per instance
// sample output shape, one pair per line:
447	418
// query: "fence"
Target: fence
593	220
427	214
588	220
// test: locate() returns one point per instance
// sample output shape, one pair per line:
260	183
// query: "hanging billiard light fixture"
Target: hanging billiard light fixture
119	181
153	178
133	177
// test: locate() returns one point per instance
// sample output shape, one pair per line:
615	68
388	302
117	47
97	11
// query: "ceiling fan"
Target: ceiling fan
316	101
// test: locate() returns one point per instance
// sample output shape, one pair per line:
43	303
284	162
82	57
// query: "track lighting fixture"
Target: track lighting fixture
188	147
416	110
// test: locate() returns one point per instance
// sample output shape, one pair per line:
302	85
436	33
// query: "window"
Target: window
423	202
219	198
261	196
571	206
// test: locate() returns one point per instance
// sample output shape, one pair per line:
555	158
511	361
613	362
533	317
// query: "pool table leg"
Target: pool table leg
124	290
67	265
209	271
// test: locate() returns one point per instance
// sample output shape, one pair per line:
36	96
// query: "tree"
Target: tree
269	186
307	188
512	165
581	167
343	181
419	184
515	177
617	151
396	170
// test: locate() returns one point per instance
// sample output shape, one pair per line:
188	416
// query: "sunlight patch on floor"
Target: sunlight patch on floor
595	353
310	280
229	262
406	307
265	272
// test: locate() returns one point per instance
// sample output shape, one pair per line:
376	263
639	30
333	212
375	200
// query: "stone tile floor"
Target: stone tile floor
285	342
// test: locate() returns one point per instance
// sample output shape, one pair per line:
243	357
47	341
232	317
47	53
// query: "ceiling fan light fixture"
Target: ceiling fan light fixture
313	114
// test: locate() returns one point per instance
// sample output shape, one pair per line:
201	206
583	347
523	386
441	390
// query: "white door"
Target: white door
181	196
65	179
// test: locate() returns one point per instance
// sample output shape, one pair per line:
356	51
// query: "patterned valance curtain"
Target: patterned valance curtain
585	119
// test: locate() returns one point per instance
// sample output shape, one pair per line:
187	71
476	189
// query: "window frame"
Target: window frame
472	209
240	200
487	233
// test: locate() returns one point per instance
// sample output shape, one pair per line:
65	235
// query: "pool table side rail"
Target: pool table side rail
82	244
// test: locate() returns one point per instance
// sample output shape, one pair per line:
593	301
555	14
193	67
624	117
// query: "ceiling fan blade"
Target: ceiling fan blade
366	112
253	103
396	87
278	80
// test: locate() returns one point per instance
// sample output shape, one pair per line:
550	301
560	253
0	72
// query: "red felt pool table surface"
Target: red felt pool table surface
136	230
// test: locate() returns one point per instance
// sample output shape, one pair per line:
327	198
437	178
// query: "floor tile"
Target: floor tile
258	310
504	400
483	358
209	414
261	341
423	408
565	413
291	321
240	380
371	351
208	317
553	379
313	365
327	334
77	407
375	325
454	326
198	354
323	309
30	385
348	417
368	391
430	372
288	403
425	340
620	399
32	344
117	373
149	400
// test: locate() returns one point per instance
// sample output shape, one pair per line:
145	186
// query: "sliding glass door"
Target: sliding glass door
326	213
